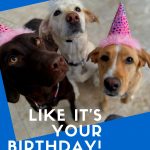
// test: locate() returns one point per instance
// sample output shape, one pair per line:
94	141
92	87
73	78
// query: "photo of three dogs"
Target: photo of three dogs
48	59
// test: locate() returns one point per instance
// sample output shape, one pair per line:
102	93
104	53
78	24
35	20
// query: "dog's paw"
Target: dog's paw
113	117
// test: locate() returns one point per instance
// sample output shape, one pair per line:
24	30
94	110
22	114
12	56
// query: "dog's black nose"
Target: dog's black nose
72	18
58	63
112	84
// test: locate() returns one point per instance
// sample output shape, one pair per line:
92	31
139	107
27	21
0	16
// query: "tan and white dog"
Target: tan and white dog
67	20
119	71
120	58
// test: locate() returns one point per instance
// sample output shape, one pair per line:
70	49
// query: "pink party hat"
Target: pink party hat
120	31
7	34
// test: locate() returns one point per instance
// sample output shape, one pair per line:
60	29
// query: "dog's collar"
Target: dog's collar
76	64
54	100
57	90
69	41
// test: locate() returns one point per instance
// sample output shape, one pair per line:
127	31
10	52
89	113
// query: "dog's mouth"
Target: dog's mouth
74	29
70	38
115	93
111	93
61	72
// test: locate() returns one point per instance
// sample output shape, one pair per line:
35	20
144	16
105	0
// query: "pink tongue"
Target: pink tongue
3	28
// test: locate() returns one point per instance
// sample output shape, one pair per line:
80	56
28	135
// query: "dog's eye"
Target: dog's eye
78	9
57	13
13	59
129	60
104	58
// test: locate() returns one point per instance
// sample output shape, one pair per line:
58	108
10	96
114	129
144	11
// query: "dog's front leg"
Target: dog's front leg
55	116
75	88
71	98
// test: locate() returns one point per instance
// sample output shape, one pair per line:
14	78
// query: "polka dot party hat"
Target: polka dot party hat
120	24
3	28
7	34
120	31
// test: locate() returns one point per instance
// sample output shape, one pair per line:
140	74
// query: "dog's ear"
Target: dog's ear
144	57
11	93
33	24
44	27
90	17
46	35
94	55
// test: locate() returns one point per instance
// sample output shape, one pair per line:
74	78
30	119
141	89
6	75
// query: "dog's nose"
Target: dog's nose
112	84
72	18
58	63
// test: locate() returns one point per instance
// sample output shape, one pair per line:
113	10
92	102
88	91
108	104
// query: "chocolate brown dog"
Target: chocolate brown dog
34	70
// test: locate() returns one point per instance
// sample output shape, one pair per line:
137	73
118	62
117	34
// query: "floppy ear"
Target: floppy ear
144	58
94	55
44	27
46	35
12	94
90	17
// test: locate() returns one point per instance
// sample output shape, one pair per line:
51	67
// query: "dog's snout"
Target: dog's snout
72	18
58	63
112	84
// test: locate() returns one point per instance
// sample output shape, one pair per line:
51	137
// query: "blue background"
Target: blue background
9	4
132	133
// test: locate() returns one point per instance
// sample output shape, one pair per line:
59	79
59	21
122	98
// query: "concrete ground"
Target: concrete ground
138	14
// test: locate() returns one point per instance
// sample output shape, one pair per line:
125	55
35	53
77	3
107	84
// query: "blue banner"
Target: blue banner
132	133
10	4
6	128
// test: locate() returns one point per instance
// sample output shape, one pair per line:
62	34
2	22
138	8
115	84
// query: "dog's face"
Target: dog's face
26	63
68	19
118	65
